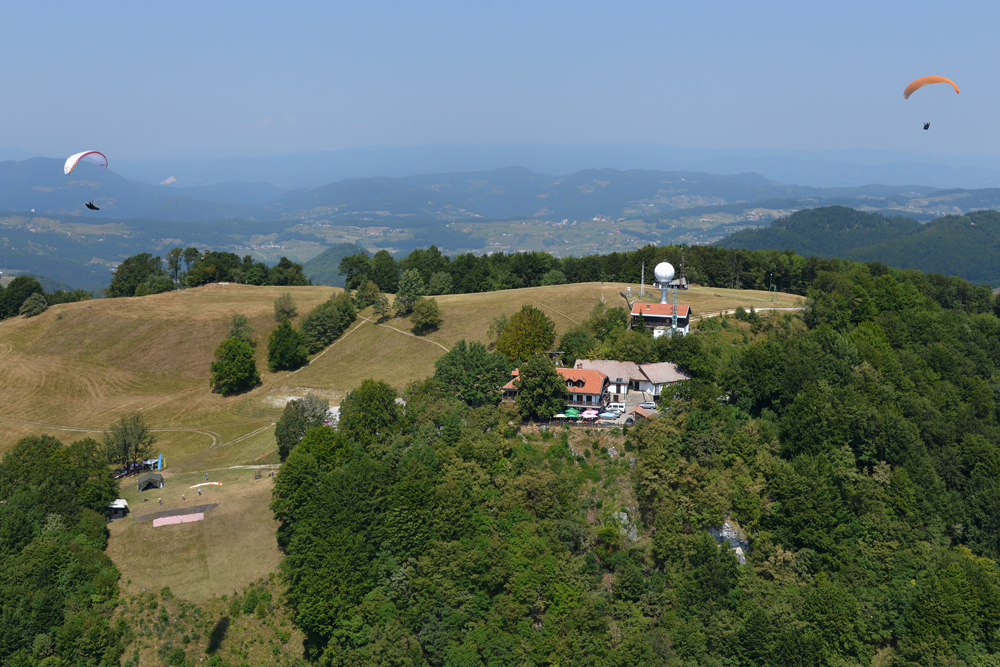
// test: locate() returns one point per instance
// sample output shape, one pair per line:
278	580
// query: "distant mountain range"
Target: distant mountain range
831	168
511	192
965	246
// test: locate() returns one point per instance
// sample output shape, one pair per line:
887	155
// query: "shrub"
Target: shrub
240	329
284	308
34	305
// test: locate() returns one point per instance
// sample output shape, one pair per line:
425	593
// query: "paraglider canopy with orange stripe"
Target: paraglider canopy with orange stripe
921	82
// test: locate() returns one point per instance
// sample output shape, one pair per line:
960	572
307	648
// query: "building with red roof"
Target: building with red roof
583	387
660	316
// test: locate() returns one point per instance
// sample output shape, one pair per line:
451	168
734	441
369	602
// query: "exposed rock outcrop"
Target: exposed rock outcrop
730	533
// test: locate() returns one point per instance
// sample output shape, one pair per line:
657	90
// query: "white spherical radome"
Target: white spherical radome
664	272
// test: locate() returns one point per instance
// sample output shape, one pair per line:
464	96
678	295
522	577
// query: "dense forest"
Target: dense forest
965	245
831	231
144	274
58	589
857	446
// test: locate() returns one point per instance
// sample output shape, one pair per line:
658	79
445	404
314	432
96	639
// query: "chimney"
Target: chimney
579	365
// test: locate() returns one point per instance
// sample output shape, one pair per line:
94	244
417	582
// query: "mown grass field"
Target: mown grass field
233	546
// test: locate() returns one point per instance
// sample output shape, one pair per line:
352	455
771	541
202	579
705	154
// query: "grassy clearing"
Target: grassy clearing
231	547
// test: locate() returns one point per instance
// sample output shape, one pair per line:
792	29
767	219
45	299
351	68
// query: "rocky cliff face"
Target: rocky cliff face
731	534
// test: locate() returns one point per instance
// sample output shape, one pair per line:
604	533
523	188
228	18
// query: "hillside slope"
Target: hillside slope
324	268
964	246
831	231
80	366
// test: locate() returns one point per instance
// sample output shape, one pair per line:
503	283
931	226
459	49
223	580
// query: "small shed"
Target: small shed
118	509
151	480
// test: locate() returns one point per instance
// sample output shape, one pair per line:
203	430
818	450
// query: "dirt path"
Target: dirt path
329	347
545	305
406	333
216	438
730	310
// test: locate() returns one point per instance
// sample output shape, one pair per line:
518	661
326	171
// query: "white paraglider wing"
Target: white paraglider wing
94	156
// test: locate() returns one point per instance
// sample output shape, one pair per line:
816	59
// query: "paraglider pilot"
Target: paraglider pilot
927	126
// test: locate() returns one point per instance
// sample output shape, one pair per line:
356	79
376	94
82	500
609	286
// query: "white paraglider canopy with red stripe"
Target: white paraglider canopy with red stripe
95	156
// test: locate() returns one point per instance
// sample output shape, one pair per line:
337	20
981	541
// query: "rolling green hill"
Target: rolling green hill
324	269
831	231
965	246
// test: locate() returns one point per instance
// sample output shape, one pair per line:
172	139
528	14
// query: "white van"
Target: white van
617	407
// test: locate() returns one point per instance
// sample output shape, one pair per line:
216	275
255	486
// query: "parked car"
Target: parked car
618	407
648	405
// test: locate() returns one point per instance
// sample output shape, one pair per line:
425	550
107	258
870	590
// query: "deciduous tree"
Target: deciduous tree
541	390
240	329
284	307
299	416
370	413
34	305
527	331
426	316
129	440
235	368
471	373
411	288
286	348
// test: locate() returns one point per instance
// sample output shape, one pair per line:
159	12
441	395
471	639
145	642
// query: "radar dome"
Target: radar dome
664	272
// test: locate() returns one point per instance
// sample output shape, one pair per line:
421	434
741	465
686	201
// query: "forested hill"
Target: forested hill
965	246
324	269
853	451
830	231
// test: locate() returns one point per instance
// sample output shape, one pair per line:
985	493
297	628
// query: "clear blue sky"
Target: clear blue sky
220	79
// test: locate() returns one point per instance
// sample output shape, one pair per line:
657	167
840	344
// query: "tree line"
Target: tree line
144	274
705	265
25	296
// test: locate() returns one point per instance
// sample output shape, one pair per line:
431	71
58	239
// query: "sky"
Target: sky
223	79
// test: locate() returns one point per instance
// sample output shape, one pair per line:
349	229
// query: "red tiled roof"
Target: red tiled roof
660	309
643	412
594	381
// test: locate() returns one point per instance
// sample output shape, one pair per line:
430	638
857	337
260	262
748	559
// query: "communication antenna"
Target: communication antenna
664	273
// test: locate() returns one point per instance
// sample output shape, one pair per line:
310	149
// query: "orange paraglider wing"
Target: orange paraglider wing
920	83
